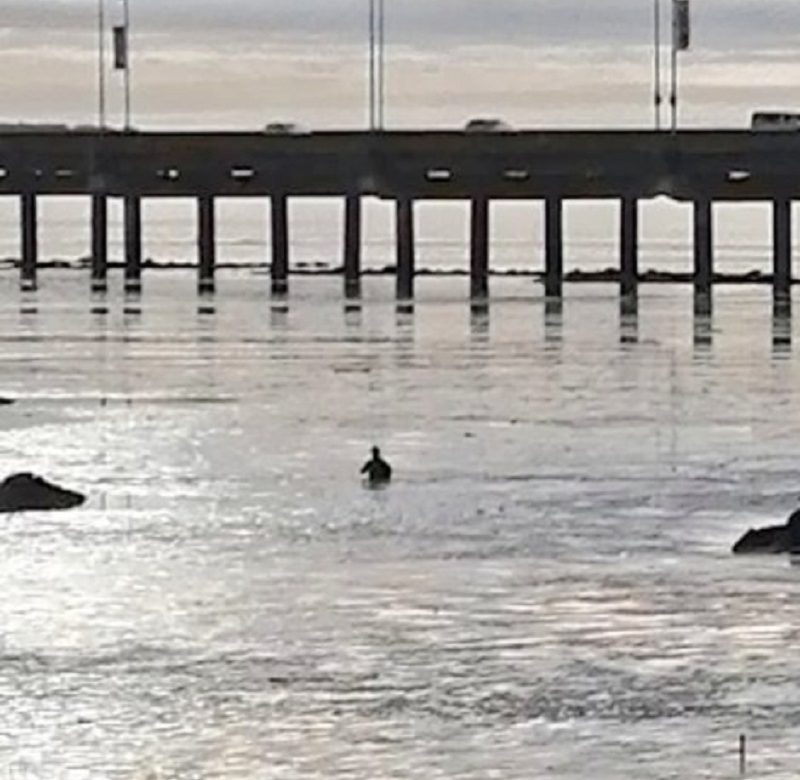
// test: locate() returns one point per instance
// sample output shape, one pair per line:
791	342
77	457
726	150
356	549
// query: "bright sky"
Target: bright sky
242	63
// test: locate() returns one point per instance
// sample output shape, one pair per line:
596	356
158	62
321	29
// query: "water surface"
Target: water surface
545	591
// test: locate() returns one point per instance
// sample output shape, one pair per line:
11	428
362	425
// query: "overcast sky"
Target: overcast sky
229	63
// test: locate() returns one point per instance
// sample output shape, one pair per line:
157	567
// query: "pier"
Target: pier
699	167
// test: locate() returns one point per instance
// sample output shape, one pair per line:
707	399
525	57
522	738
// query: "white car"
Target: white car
487	126
775	122
285	128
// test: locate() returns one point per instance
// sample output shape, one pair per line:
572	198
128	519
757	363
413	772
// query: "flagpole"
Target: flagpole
127	24
101	64
657	63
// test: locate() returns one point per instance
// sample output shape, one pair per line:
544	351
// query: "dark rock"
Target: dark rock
27	492
772	539
6	401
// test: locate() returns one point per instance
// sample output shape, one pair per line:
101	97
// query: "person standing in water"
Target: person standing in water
378	471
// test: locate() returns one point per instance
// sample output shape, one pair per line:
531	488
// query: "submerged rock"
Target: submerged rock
772	539
27	492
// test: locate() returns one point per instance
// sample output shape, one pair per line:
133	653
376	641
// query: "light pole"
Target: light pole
101	63
377	63
381	63
126	19
657	63
673	98
681	40
371	64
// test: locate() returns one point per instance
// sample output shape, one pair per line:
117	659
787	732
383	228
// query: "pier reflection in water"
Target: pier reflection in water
479	322
703	322
553	321
782	324
353	316
629	319
279	315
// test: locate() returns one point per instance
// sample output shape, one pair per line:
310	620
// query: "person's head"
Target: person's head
376	452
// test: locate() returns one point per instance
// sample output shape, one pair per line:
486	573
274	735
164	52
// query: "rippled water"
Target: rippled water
546	590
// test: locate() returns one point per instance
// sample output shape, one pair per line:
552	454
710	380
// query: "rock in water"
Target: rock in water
6	401
27	492
772	539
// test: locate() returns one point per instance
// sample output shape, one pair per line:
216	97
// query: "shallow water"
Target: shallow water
545	591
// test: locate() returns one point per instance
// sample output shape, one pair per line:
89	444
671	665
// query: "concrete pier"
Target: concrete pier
629	246
782	247
701	167
479	250
30	241
133	244
206	244
554	247
703	247
352	247
406	261
280	245
99	243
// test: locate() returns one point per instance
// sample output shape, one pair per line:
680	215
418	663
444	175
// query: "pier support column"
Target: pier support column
629	247
703	248
30	241
782	248
280	245
99	243
133	244
479	250
352	247
206	244
406	261
554	247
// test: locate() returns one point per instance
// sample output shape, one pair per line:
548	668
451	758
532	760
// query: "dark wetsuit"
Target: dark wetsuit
378	471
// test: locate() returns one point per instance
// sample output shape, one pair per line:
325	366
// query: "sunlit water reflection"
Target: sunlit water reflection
546	590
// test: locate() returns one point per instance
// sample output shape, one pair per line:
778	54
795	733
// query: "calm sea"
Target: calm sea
545	591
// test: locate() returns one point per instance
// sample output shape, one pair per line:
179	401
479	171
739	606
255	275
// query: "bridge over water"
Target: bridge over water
700	167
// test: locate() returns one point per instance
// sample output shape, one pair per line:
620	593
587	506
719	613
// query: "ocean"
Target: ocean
545	590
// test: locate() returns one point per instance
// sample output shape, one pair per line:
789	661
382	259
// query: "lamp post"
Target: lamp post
681	40
381	63
126	19
673	97
101	63
377	33
371	64
657	63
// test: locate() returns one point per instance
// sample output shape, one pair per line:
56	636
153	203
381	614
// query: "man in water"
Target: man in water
378	471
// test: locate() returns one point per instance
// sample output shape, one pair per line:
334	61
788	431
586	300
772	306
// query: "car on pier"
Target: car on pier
484	125
775	122
21	128
285	128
